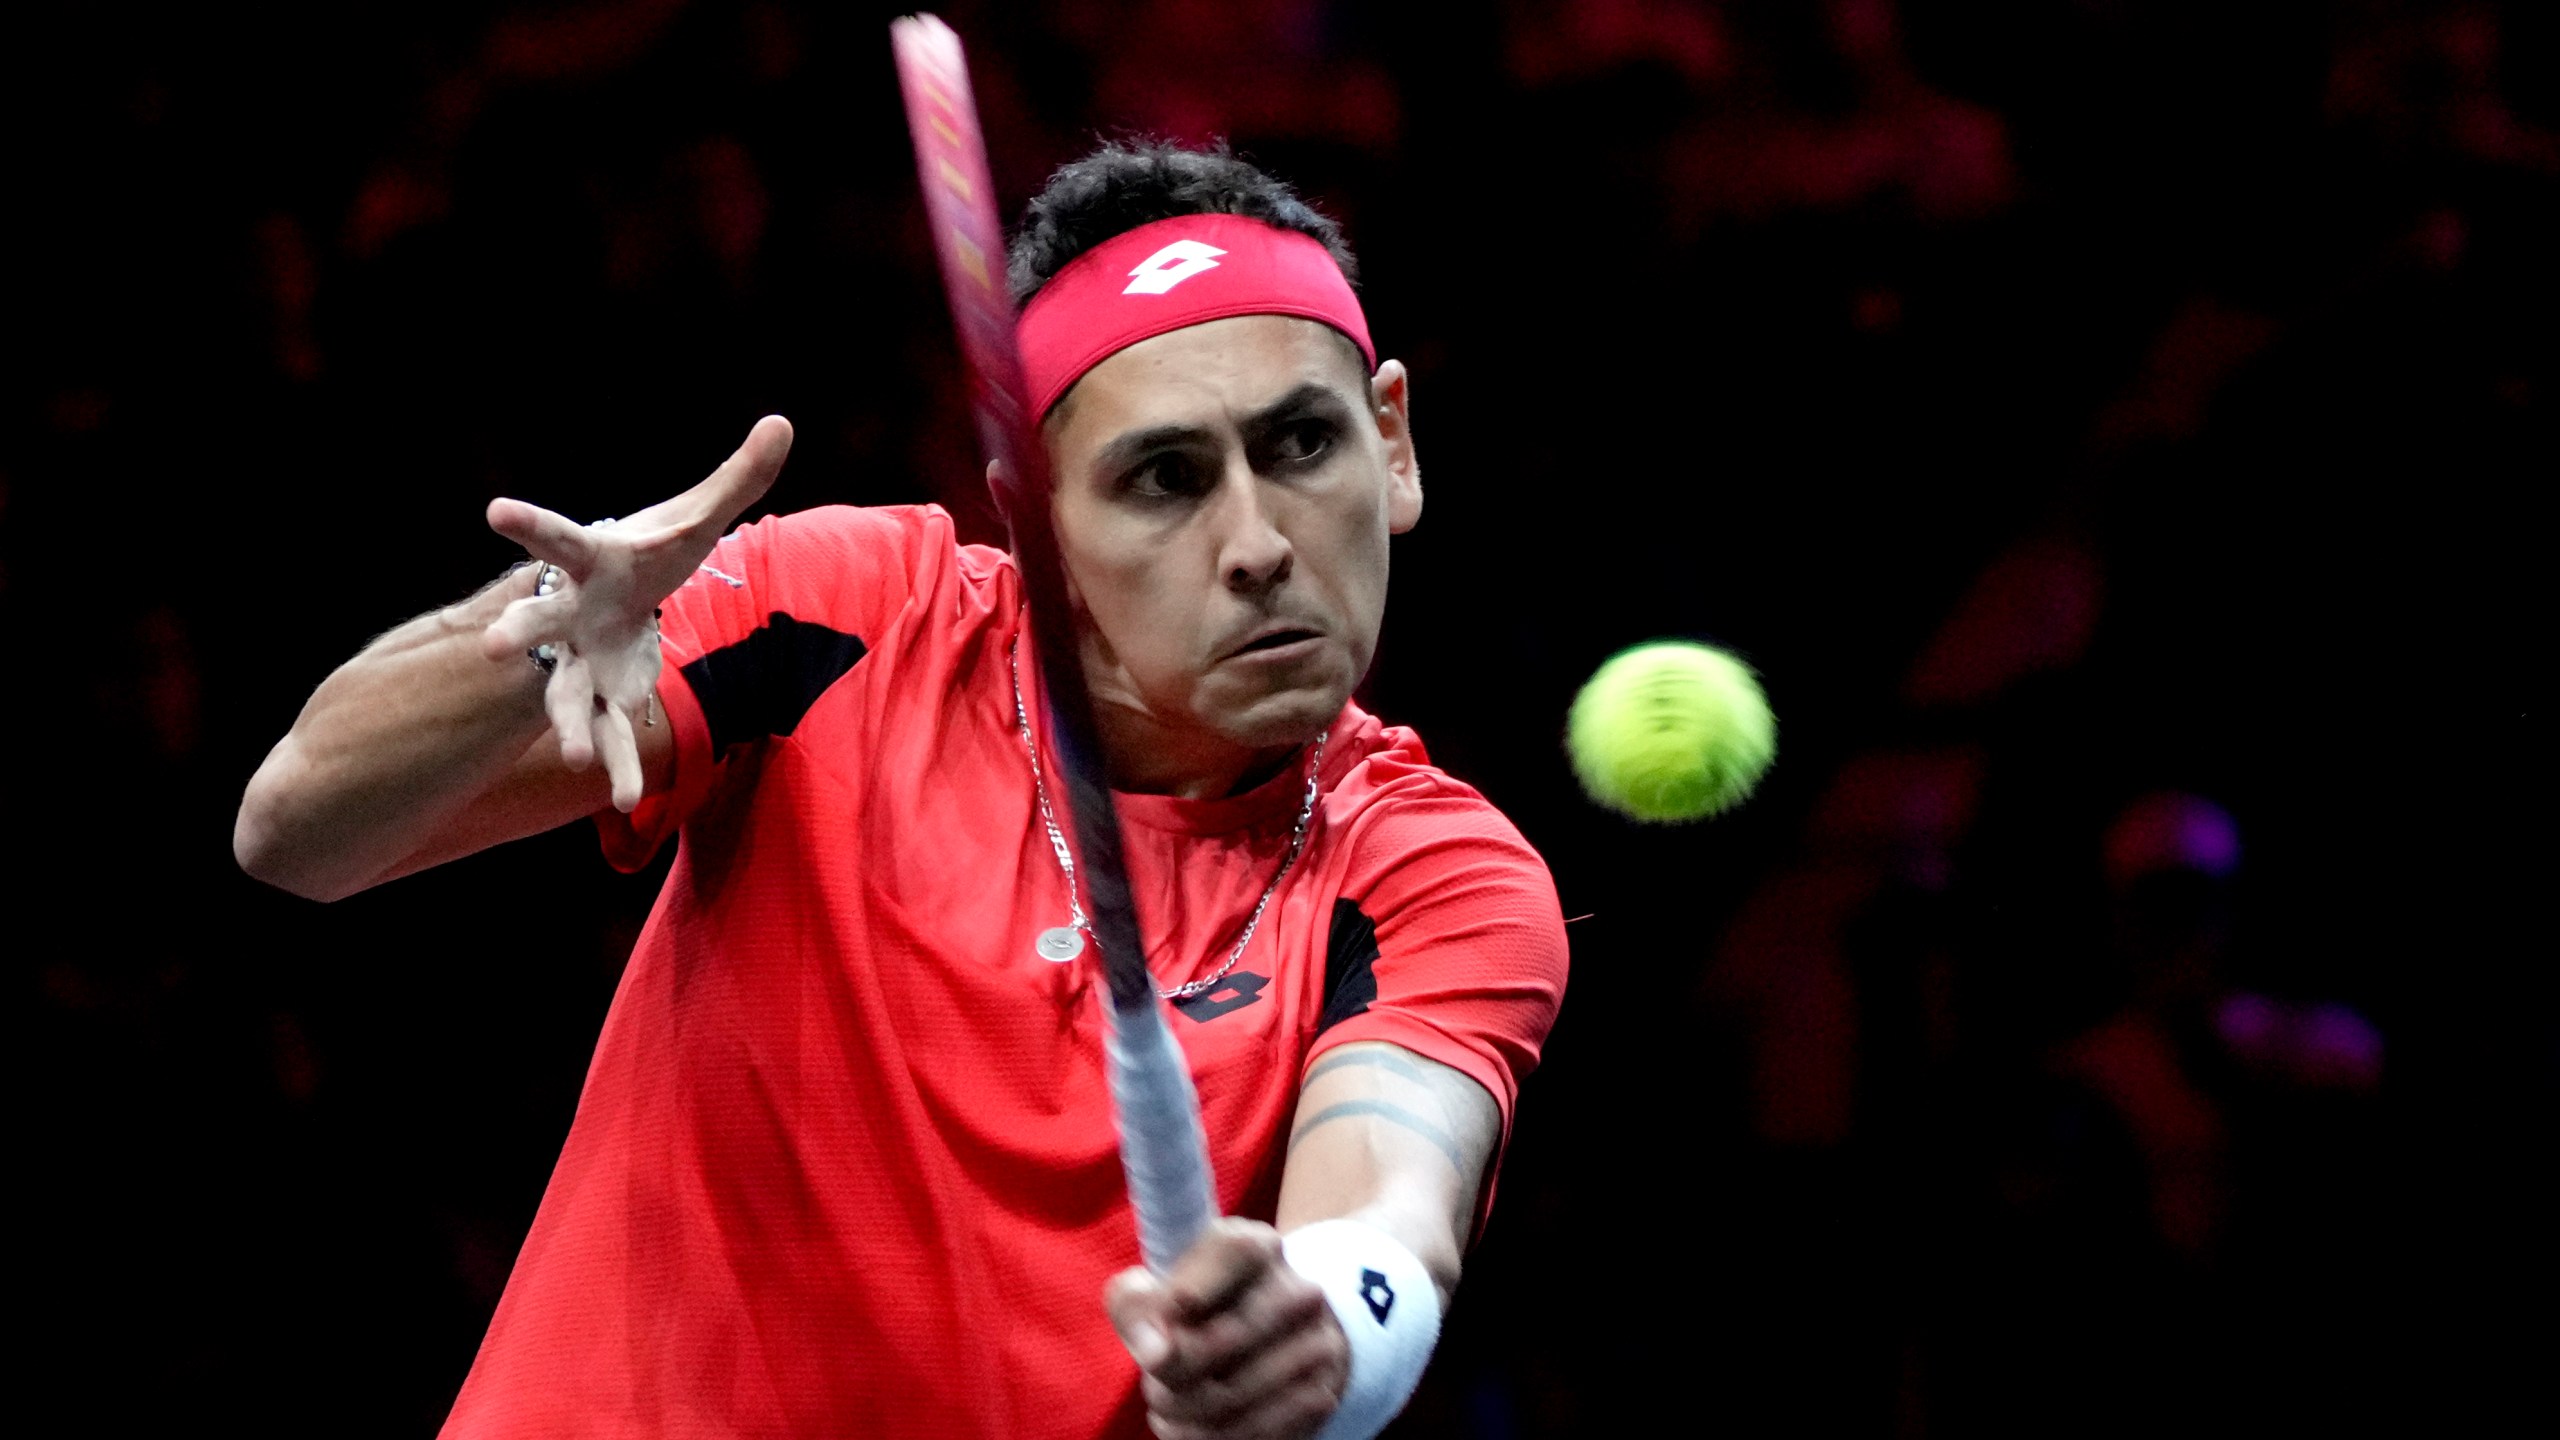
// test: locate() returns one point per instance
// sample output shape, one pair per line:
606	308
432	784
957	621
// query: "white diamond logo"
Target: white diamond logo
1171	266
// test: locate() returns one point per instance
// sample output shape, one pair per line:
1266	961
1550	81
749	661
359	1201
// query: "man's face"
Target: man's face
1225	494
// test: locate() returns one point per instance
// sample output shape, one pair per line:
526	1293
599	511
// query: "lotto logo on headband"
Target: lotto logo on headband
1171	266
1081	316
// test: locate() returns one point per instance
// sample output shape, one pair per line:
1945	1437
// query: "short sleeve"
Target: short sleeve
1450	943
778	612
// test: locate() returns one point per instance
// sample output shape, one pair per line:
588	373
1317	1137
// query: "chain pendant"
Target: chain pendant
1061	943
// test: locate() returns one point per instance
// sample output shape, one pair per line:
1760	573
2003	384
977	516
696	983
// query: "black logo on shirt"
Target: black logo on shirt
1375	1291
1233	993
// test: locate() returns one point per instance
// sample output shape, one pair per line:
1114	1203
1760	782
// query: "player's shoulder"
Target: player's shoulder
874	556
1406	821
1455	899
824	532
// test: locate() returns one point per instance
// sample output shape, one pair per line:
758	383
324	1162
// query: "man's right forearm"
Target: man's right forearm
390	750
424	747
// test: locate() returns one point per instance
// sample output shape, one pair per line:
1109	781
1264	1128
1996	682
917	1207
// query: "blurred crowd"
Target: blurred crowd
2107	426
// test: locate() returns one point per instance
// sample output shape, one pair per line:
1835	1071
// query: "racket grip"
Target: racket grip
1161	1145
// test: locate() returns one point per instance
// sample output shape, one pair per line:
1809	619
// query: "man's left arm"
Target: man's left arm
1236	1342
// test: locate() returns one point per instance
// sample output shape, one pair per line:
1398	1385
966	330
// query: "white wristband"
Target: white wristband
1389	1309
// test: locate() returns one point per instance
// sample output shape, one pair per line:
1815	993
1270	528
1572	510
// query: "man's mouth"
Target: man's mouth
1273	639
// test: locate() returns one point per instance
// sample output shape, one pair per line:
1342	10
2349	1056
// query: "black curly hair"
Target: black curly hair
1126	184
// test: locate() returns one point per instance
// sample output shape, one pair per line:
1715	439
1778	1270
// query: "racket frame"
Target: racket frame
1161	1143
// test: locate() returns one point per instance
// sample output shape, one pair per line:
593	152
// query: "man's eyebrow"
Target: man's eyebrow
1123	451
1307	396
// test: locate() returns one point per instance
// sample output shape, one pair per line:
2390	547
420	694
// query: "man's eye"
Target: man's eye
1303	441
1162	476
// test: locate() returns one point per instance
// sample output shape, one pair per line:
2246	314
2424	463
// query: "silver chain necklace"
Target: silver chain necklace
1066	942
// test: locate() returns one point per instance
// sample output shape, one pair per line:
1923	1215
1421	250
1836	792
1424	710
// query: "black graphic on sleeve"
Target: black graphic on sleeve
763	685
1349	951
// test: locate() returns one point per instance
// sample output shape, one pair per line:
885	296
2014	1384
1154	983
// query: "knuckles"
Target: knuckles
1285	1385
1298	1412
1253	1349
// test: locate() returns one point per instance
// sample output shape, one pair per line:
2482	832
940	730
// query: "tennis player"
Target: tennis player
845	1161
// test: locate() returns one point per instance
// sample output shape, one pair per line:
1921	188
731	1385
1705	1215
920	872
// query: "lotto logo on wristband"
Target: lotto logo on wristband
1364	1272
1377	1294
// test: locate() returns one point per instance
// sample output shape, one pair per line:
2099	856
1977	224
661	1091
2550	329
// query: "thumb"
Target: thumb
1141	1310
743	478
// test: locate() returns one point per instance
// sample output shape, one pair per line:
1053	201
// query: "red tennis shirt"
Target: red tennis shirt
844	1164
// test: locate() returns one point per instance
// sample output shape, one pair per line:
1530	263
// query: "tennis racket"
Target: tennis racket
1159	1114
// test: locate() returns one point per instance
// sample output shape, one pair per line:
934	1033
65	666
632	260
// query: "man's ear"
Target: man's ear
1000	492
1000	485
1390	406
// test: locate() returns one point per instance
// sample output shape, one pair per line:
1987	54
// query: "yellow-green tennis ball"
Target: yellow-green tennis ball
1671	731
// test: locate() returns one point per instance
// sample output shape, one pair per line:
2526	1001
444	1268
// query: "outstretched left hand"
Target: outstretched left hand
1233	1344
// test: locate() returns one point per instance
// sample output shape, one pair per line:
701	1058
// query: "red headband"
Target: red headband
1172	273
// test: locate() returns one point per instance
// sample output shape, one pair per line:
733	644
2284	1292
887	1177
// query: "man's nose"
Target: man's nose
1253	553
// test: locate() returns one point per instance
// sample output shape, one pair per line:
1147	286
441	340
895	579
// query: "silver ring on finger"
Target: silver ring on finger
546	656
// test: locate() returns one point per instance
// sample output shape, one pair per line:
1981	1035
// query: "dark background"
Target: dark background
2059	402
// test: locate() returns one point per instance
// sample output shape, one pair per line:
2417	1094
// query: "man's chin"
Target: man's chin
1292	717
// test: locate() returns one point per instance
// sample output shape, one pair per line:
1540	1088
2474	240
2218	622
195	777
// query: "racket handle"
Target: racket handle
1160	1140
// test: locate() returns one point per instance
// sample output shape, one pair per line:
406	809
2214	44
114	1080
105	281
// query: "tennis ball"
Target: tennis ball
1671	731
